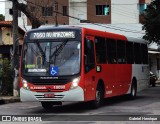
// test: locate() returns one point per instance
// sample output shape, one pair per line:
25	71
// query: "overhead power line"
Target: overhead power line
110	27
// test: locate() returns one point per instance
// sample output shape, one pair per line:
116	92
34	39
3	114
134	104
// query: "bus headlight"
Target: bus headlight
25	84
75	83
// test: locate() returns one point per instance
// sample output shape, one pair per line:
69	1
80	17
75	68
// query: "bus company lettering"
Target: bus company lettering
38	88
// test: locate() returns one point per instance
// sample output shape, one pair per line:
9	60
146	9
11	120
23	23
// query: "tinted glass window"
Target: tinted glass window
121	52
137	53
111	51
129	52
144	53
100	45
89	55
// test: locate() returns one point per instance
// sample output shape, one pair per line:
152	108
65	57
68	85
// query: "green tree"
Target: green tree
151	23
2	17
7	78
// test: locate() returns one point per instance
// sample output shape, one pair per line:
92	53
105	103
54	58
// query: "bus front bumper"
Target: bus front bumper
71	95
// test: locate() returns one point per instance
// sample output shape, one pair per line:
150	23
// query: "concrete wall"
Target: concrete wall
153	64
124	11
79	10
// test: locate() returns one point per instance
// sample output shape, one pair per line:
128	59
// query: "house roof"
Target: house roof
9	24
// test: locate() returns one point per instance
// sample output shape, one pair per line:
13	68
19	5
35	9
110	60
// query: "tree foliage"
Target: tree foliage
151	23
33	10
2	17
6	76
35	22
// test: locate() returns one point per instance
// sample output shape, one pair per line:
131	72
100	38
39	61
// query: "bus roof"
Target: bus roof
98	27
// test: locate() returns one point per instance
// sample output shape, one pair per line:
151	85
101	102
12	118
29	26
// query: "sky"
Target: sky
2	7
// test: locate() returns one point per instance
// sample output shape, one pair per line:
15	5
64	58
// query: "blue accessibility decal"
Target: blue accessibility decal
54	70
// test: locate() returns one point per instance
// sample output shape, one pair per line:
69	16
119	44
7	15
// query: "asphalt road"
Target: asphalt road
146	105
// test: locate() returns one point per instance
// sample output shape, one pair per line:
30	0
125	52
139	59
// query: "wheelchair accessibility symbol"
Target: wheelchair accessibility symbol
54	70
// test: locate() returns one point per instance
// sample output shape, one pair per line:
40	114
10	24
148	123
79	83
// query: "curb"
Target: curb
8	99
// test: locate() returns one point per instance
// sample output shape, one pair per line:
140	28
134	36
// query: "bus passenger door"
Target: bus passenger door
89	68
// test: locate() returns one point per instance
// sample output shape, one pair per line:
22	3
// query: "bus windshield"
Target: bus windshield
51	58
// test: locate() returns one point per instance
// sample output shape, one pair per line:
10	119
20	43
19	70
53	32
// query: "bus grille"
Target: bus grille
46	90
55	98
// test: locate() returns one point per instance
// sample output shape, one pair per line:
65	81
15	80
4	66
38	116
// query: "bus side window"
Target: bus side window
111	51
137	53
100	46
89	58
121	52
129	53
144	52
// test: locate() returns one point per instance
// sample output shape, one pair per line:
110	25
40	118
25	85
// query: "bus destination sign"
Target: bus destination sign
52	35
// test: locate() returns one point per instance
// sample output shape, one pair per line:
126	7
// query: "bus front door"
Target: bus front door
89	67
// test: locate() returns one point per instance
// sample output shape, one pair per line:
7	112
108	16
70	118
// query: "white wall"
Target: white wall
79	10
124	11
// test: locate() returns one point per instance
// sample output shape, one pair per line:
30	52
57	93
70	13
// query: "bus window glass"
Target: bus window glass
121	52
129	52
51	58
144	52
89	55
100	45
137	53
111	51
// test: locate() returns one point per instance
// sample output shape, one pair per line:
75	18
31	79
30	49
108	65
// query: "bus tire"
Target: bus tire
99	97
47	105
133	92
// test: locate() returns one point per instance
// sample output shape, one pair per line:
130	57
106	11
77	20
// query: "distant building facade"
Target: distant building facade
6	38
76	11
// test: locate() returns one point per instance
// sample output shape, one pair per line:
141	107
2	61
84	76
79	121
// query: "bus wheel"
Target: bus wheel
47	105
133	92
99	97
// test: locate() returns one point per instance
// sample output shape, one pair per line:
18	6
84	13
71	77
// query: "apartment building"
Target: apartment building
76	11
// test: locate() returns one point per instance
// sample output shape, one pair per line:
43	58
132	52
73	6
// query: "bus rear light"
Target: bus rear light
75	83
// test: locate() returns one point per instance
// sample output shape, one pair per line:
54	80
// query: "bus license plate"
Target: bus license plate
48	95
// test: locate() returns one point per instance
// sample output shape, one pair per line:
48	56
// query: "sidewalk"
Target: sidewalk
8	99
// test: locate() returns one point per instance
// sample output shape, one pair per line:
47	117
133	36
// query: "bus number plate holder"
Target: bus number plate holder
48	95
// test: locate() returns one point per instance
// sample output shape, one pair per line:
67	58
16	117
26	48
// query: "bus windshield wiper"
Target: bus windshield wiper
58	50
42	52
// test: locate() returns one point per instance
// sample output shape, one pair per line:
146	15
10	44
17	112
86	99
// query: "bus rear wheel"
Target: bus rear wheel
133	92
99	97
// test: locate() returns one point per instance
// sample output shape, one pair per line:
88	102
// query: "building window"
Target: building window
142	8
64	10
47	11
102	9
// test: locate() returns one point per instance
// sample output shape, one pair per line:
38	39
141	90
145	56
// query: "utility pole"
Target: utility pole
15	51
56	10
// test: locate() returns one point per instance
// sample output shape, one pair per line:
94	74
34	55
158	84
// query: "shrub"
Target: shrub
7	78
